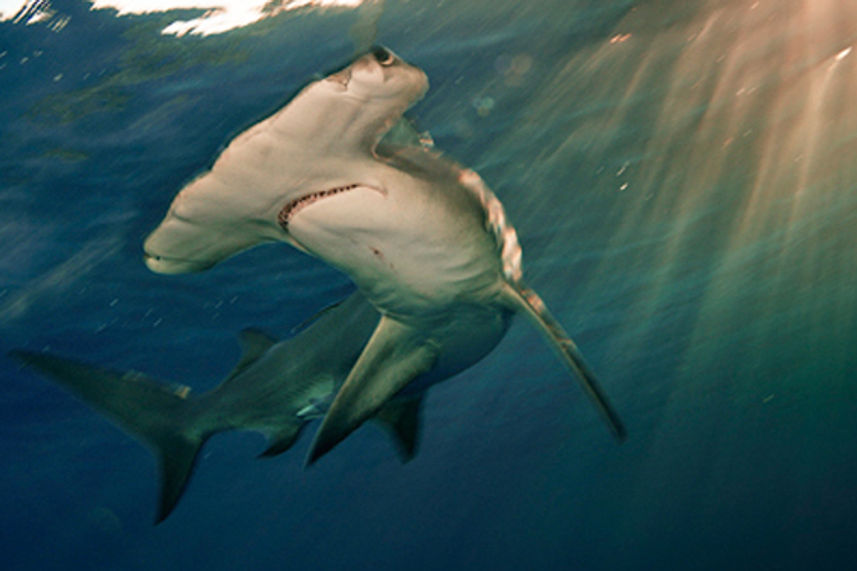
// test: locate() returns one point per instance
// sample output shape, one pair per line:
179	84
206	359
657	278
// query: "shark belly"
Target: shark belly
468	334
411	255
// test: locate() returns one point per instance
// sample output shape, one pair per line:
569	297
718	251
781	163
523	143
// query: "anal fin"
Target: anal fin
395	355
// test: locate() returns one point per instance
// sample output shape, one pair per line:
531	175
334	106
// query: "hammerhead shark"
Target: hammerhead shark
423	238
276	388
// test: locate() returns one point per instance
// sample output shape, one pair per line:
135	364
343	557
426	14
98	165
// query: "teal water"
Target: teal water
683	182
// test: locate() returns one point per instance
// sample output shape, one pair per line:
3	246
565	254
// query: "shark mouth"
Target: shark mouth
291	208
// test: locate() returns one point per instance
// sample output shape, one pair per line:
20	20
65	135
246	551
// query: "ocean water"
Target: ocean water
683	179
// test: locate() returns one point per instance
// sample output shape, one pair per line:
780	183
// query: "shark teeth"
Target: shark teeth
291	208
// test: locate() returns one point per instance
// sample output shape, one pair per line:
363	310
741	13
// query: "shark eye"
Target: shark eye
383	56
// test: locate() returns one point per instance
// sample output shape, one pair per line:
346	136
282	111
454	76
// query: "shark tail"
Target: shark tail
522	297
157	414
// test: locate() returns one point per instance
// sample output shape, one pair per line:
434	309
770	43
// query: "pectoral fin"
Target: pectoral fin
395	355
527	300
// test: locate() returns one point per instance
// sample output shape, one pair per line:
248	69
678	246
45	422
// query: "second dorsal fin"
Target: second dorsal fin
254	343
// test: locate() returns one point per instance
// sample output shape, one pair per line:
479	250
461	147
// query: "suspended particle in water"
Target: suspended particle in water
483	105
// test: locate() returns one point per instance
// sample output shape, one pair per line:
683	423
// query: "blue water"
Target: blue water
683	181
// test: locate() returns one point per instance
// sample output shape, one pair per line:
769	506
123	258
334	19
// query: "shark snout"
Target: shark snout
165	265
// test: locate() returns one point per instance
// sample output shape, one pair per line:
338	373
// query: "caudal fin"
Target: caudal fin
155	413
527	300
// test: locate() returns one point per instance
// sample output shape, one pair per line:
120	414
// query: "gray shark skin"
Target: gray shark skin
276	388
423	238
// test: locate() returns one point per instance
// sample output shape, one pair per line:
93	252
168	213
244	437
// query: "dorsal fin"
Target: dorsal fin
254	343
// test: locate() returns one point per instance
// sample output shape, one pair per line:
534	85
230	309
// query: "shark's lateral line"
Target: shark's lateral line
424	239
276	388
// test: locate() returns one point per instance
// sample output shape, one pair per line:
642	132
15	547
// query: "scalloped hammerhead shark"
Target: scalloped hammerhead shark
423	238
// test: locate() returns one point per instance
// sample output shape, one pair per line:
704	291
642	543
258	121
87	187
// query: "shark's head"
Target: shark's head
206	224
178	246
289	157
